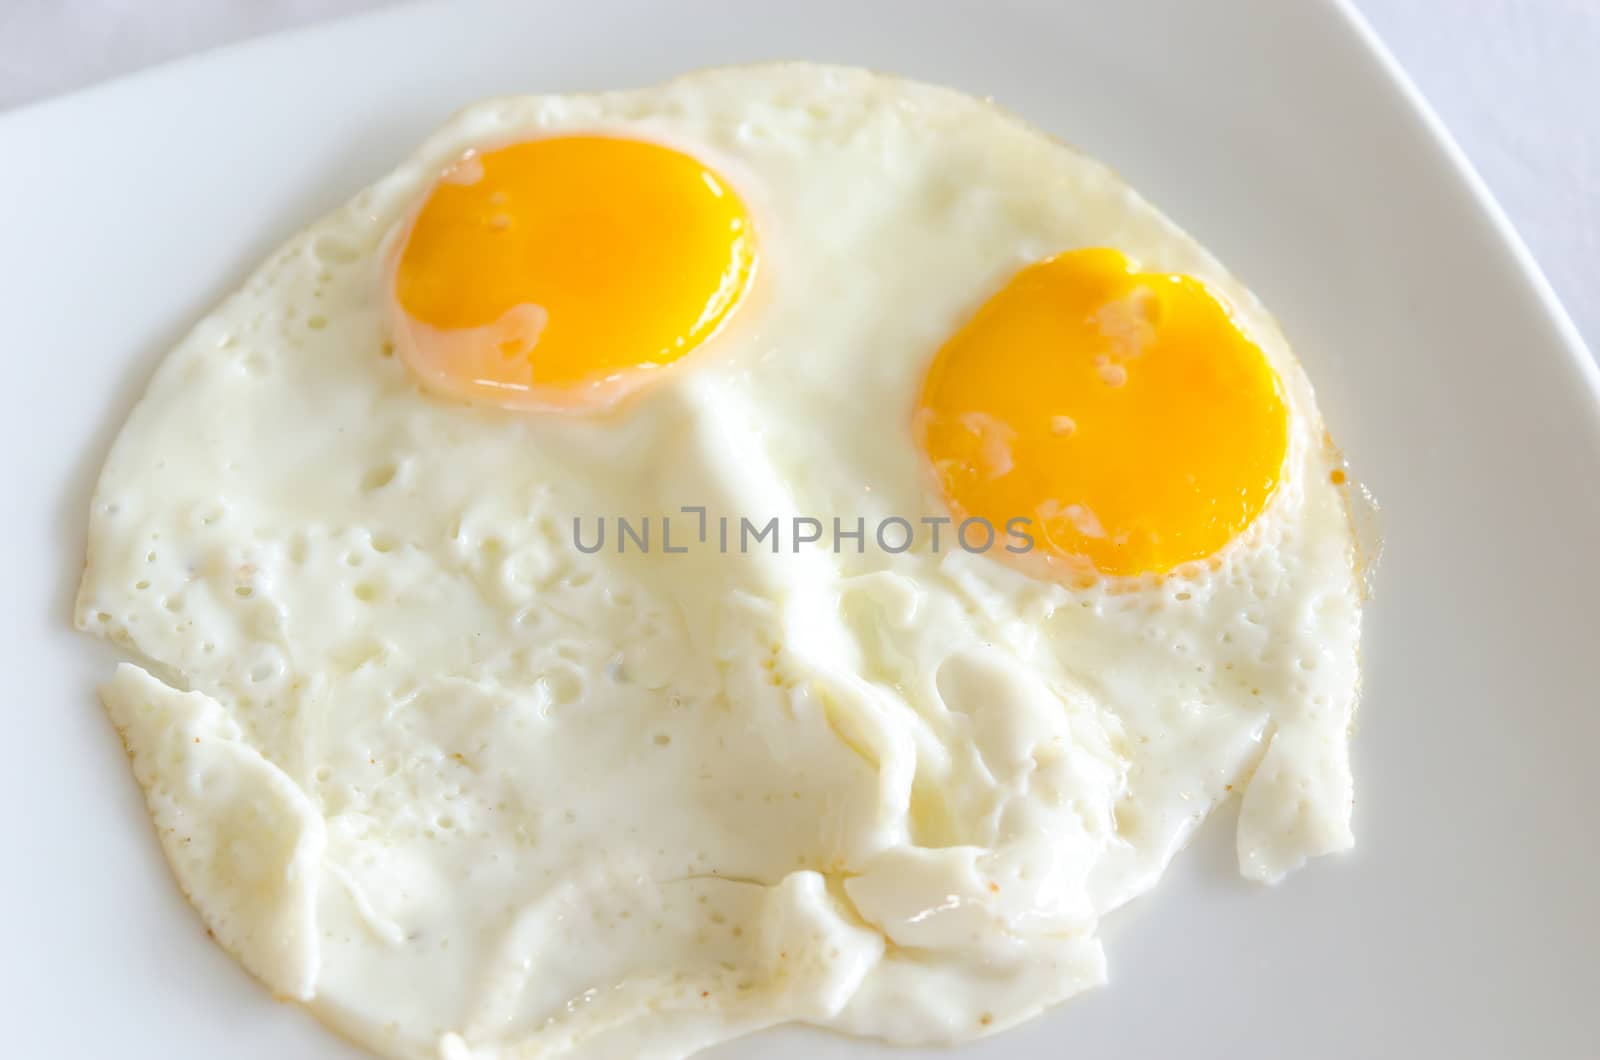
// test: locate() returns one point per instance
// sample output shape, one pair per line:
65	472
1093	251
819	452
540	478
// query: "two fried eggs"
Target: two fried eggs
468	790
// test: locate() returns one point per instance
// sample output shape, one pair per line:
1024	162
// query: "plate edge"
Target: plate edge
1511	240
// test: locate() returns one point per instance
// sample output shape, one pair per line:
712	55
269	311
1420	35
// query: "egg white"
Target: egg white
468	791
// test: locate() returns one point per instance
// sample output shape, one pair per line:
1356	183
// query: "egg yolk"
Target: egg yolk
558	273
1123	413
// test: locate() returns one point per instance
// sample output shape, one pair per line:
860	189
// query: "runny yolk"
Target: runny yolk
1124	413
558	273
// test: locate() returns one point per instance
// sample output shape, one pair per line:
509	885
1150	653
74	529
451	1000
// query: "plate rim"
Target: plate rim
1544	301
1483	198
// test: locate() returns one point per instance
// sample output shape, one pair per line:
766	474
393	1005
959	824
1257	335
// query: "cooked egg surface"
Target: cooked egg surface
469	790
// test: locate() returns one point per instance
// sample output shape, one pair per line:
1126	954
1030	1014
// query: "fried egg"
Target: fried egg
786	545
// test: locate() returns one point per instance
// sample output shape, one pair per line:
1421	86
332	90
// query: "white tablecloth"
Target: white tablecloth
1517	82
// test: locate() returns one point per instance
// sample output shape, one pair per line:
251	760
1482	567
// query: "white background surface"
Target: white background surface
1516	81
1464	923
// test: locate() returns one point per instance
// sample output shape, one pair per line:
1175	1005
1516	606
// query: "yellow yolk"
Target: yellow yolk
558	272
1123	413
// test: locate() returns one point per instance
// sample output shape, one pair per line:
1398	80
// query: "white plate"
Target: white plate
1464	925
